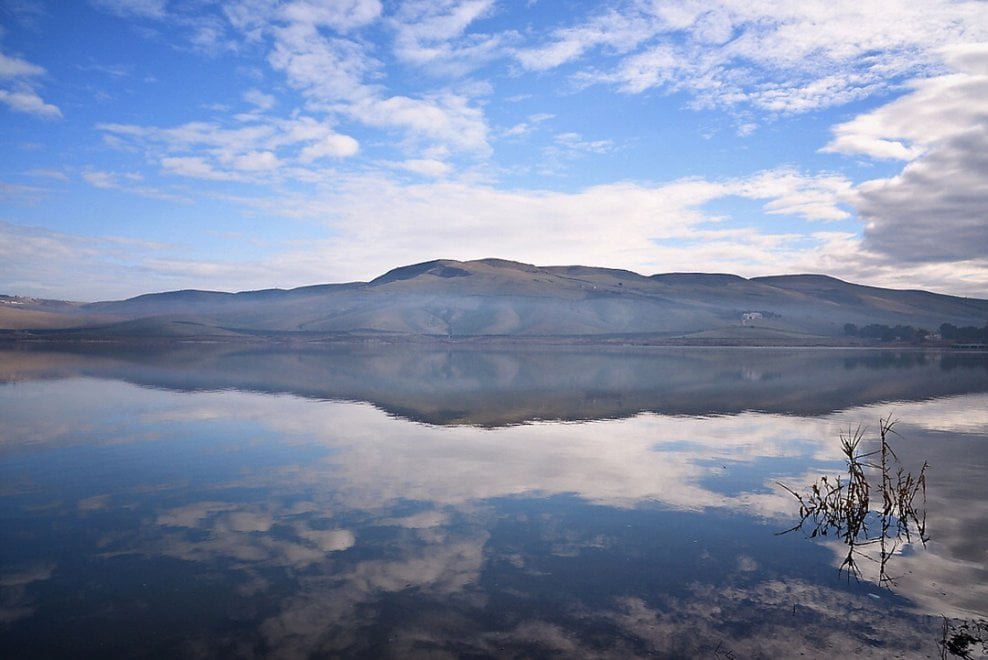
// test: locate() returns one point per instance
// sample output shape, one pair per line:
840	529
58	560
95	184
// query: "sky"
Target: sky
154	145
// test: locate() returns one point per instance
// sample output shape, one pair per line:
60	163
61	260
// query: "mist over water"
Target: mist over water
551	502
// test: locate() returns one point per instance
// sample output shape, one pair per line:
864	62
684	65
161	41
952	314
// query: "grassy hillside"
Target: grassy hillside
493	297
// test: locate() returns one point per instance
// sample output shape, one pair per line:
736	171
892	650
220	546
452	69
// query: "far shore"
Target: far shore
54	338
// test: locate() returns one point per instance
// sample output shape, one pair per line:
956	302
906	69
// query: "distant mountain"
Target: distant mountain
498	298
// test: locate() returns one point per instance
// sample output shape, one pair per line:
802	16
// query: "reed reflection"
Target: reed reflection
844	506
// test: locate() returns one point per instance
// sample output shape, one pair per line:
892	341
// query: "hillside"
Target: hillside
492	297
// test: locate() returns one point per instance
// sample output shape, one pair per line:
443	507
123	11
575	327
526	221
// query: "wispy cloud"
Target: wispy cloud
134	8
784	59
434	34
18	90
20	193
14	67
335	74
236	150
425	166
129	182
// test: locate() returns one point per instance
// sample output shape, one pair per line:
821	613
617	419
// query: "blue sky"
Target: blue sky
153	145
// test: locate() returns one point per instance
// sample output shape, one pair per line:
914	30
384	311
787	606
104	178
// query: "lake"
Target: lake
243	501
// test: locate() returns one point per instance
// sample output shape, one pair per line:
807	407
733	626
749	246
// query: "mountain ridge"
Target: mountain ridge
445	298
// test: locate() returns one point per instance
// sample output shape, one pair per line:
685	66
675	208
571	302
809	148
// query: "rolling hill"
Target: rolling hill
498	298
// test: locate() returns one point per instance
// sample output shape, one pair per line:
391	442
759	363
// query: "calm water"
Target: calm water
211	502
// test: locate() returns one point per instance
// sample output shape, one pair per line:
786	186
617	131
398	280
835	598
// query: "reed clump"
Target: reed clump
844	506
964	639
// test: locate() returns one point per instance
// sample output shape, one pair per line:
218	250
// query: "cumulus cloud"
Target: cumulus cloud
934	209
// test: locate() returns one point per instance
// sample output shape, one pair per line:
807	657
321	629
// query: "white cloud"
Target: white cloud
374	224
18	93
259	99
784	59
379	223
747	129
20	193
256	161
129	182
335	145
934	209
780	59
790	193
342	15
256	143
426	167
14	67
36	261
528	126
433	33
446	118
325	69
337	73
195	167
100	179
134	8
577	142
27	100
48	173
439	20
620	31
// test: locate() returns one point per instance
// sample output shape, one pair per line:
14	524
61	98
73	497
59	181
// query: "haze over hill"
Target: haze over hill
493	297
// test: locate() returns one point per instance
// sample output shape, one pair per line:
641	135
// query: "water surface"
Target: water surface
230	501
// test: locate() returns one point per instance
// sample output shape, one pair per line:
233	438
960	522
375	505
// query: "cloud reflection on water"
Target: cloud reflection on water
362	513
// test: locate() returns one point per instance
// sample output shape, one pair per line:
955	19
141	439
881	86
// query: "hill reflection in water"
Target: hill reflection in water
221	501
500	387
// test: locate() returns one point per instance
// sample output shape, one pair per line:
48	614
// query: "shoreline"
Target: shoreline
13	338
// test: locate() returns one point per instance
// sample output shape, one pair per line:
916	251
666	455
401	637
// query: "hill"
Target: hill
504	299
